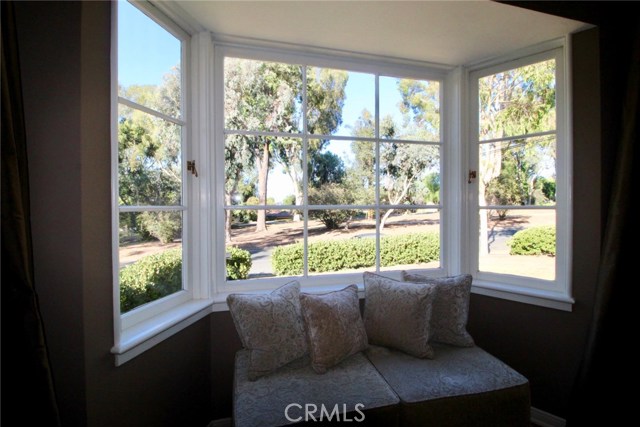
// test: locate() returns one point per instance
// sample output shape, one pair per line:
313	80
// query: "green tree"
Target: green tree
325	168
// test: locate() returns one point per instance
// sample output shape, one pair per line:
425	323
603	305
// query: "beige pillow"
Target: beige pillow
270	326
397	314
450	307
333	326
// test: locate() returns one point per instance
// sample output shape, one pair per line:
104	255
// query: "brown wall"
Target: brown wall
64	51
187	379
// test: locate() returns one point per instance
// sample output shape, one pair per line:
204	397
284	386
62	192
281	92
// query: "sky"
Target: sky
146	52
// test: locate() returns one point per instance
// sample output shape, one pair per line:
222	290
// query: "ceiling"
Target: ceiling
444	32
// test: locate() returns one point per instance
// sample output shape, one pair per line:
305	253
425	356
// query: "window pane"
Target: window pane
341	172
150	255
519	242
409	173
409	109
341	240
518	101
148	61
251	178
409	238
262	96
283	233
519	172
149	159
340	102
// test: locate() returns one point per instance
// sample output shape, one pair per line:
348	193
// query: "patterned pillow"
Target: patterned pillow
397	314
450	307
270	326
334	327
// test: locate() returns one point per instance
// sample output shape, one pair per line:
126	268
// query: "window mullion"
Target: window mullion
377	172
305	177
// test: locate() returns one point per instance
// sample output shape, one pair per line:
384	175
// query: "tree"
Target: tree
149	157
514	102
325	100
325	168
259	96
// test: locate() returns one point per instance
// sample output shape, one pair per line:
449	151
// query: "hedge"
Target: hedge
534	241
150	278
156	276
238	263
356	253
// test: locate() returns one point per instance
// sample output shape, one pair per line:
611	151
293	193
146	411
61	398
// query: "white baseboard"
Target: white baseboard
222	422
545	419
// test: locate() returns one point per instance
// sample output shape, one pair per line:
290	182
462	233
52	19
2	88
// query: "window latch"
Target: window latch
472	176
191	167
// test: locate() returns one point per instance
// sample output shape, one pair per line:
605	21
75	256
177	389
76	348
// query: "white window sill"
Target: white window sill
539	297
146	334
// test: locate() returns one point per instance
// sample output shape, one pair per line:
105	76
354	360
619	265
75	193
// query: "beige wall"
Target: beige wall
187	379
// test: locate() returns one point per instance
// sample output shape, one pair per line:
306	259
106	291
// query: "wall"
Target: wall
64	51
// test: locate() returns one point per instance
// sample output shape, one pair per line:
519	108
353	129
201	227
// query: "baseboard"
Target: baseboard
222	422
545	419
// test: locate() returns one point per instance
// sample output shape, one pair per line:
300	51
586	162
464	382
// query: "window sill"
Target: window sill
542	298
146	334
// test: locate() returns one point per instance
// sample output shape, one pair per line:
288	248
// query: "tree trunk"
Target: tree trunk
299	193
263	175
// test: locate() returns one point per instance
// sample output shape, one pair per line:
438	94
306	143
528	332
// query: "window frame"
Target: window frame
132	327
377	69
550	293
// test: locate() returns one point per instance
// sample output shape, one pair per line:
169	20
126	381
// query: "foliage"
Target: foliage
432	188
238	263
325	168
534	241
289	200
332	194
164	226
150	278
329	256
548	188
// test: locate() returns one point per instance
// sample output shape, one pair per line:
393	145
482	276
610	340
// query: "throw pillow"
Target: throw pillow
333	326
397	314
450	307
270	327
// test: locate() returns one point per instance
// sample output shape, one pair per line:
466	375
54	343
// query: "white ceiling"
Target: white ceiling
444	32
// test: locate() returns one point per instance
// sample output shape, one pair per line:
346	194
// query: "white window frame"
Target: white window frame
323	281
549	293
142	327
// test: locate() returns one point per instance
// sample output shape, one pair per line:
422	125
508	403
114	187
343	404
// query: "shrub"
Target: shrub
238	263
150	278
534	241
164	226
356	253
332	194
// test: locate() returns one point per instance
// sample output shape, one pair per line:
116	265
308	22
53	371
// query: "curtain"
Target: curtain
26	373
607	363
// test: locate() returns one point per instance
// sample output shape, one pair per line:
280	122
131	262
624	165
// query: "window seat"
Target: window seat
460	387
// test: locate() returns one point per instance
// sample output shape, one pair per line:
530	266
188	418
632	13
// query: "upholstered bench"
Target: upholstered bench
408	360
459	387
282	397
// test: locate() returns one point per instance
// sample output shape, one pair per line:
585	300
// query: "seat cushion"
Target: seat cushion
353	381
459	387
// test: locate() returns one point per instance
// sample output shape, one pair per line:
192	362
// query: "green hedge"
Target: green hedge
150	278
238	263
356	253
534	241
156	276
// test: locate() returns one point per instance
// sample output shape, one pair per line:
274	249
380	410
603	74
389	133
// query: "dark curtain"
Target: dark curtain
26	374
608	362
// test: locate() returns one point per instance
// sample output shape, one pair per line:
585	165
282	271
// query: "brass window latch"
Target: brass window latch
472	176
191	167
